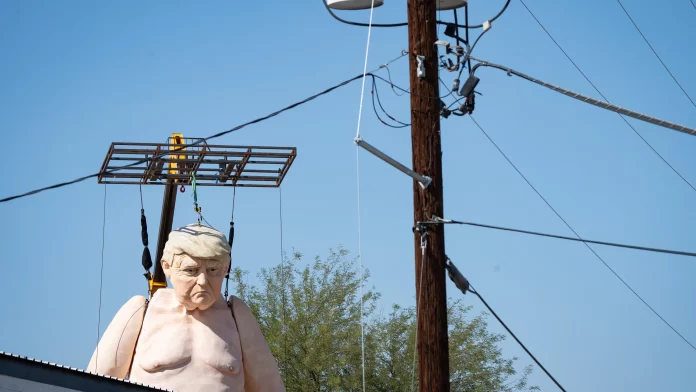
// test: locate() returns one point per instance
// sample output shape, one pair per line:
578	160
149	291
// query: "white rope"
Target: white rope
357	164
362	328
424	245
367	52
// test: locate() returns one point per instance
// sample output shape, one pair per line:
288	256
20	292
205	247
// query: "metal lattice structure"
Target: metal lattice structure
213	165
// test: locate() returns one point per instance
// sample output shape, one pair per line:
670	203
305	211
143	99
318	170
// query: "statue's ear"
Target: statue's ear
166	268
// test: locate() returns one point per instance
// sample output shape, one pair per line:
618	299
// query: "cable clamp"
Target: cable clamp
420	71
424	242
420	227
198	209
437	219
443	43
455	276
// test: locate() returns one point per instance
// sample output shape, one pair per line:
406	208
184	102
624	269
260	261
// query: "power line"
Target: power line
466	32
468	57
181	147
390	81
374	93
476	293
578	236
590	100
603	97
655	52
463	284
536	233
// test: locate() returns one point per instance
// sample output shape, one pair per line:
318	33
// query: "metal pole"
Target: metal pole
166	222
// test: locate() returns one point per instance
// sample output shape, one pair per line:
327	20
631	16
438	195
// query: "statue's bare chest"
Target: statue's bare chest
177	344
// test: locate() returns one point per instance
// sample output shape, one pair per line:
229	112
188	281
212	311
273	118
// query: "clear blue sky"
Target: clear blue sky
76	76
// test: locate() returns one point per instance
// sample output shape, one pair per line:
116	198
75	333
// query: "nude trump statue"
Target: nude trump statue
189	337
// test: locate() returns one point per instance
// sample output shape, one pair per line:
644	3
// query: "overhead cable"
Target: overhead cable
476	293
375	93
463	284
536	233
591	101
184	146
507	3
602	95
466	32
655	52
616	274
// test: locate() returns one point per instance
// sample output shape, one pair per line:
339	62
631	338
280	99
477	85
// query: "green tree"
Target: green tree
310	316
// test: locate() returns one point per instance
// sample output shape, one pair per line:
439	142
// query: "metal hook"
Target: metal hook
424	242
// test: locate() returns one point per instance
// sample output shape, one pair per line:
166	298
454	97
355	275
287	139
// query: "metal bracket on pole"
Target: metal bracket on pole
423	181
421	67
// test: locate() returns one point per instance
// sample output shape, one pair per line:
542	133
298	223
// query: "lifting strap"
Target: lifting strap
146	258
231	306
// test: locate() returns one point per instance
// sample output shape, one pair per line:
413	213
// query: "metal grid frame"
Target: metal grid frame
213	164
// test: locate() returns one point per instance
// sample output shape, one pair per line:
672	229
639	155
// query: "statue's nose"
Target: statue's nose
202	279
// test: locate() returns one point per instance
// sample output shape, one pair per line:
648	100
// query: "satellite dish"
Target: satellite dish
353	4
449	4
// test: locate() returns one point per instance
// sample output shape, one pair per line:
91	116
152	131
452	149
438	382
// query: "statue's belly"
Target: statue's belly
189	352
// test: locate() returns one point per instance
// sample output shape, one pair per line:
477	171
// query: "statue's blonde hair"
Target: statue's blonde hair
197	241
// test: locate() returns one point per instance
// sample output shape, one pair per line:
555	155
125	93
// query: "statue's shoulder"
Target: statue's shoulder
238	305
134	302
240	310
115	350
131	313
244	317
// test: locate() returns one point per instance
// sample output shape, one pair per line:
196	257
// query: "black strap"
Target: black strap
229	266
231	306
146	257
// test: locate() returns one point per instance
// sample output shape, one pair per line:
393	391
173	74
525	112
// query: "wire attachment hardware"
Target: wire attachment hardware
424	181
420	72
424	242
455	276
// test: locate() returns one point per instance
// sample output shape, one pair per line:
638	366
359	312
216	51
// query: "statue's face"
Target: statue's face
197	282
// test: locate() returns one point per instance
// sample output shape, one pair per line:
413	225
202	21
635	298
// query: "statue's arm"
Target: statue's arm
114	352
260	367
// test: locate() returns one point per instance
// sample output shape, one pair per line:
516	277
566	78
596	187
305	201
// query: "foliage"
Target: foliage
310	316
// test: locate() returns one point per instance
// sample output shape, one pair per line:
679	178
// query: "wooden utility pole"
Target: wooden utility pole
432	349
